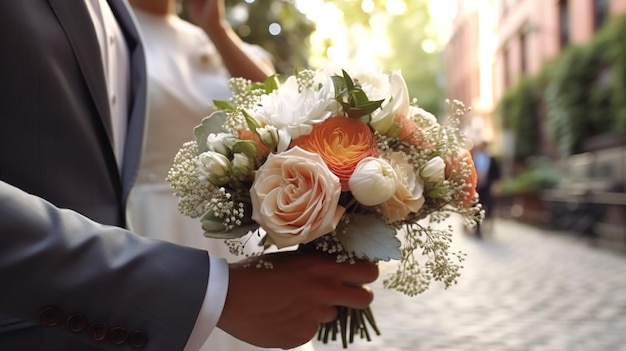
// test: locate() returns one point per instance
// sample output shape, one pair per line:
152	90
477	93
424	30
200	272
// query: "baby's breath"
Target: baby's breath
190	190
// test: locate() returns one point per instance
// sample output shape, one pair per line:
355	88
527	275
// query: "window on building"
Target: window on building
563	23
600	13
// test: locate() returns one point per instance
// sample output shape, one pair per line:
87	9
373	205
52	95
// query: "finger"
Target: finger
357	273
352	296
329	315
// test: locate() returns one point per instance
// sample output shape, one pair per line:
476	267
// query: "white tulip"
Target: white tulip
373	181
434	170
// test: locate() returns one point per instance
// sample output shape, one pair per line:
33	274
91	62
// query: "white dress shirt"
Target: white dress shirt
116	61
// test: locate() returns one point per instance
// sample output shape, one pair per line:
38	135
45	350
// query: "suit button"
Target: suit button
76	322
138	339
50	317
118	335
98	331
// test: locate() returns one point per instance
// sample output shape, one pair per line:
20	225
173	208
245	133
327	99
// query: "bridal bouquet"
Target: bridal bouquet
342	163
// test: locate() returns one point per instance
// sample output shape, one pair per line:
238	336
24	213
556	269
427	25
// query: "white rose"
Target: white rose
295	197
213	167
373	181
409	195
434	170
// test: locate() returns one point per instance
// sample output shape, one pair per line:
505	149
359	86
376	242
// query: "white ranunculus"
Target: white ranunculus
373	181
397	103
434	170
213	167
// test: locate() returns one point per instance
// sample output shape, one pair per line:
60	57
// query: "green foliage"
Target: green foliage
422	71
290	48
538	176
519	113
586	93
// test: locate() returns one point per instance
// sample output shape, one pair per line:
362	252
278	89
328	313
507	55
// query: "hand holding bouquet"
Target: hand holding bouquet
336	162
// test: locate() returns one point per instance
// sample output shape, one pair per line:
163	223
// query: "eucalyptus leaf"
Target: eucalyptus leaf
369	237
212	124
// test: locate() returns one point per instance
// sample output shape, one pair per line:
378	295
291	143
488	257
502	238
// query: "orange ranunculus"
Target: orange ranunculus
342	142
469	179
262	150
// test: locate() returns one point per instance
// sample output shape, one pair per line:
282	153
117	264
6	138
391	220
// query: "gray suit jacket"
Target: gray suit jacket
68	281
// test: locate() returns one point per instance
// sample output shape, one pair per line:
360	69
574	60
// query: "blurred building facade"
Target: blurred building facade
496	42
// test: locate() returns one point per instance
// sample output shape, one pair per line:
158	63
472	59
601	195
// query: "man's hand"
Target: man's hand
283	306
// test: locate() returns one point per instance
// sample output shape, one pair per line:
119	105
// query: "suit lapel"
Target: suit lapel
75	20
82	37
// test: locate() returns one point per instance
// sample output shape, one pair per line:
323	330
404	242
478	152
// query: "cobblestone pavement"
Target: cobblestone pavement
521	289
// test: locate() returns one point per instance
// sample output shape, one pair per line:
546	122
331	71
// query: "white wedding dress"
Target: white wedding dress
185	76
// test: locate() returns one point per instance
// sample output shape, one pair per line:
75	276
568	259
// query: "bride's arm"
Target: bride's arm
209	15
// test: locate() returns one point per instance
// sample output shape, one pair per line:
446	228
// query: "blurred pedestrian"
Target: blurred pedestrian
488	172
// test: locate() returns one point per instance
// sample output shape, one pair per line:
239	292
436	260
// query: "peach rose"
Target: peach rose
409	195
295	197
456	171
342	142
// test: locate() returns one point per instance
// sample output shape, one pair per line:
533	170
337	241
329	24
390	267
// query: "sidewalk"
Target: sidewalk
521	289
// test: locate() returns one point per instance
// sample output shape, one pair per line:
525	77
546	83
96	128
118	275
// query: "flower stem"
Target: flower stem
349	322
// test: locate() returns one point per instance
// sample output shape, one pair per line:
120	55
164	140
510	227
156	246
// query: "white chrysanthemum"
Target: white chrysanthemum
293	112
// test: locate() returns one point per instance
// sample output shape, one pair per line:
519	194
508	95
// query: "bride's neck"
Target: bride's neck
155	7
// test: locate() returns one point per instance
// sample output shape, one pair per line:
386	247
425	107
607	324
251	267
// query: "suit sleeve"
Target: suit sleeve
59	259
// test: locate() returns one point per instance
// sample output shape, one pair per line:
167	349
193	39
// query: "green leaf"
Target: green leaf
340	86
211	124
252	123
369	237
348	80
271	84
223	105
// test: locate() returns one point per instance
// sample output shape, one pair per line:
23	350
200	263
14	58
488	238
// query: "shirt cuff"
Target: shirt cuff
212	305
